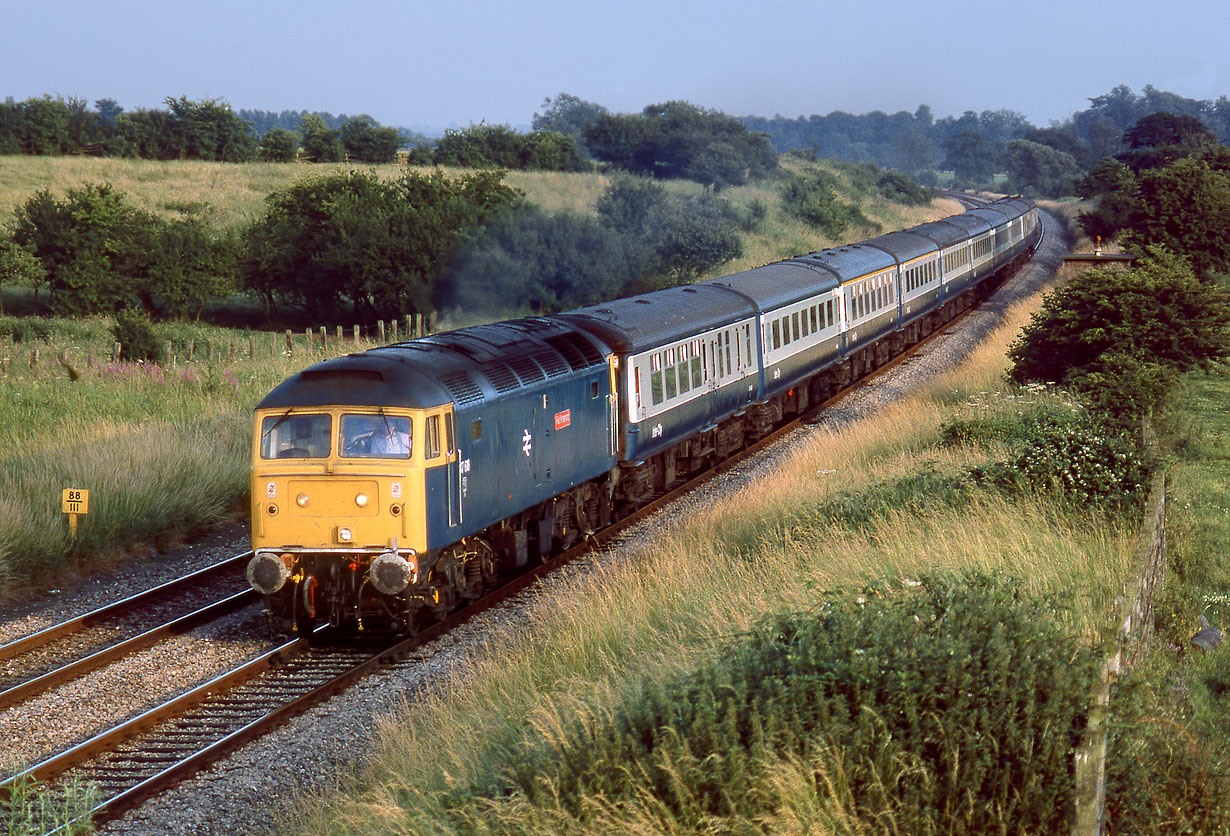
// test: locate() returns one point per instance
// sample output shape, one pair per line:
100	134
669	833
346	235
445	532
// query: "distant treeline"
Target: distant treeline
191	130
976	145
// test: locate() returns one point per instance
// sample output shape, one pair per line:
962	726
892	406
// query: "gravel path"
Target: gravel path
249	792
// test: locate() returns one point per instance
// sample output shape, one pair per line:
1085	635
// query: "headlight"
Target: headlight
301	500
344	535
361	500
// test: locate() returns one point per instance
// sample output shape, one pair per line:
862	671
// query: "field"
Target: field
164	450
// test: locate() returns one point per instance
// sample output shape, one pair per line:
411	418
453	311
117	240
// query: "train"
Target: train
391	486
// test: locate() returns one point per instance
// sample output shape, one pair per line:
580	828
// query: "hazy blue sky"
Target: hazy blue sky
440	64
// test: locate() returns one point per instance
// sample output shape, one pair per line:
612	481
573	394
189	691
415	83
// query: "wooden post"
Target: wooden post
273	344
409	322
167	348
307	333
290	344
251	346
418	325
340	332
34	359
380	330
191	350
230	352
209	352
324	340
356	335
116	351
393	329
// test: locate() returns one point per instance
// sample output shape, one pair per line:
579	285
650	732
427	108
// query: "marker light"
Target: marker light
361	500
345	535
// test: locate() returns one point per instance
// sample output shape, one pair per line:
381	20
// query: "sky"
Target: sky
450	63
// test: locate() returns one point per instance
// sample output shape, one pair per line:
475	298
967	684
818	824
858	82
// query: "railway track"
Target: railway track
44	660
144	756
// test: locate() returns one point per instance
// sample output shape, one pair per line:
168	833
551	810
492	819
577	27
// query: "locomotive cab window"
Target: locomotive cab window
295	436
375	437
431	433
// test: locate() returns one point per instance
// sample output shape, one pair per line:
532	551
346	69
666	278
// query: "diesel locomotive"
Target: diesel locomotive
389	486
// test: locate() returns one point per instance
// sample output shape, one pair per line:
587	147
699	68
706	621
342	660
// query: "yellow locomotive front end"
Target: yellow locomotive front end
339	513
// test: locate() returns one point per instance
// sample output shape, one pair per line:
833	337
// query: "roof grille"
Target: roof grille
578	351
463	388
551	363
501	377
526	369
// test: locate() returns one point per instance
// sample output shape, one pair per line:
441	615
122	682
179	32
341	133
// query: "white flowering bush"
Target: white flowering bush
1082	460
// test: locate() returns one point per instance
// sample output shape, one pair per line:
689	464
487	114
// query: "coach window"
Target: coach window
655	384
671	388
684	383
777	333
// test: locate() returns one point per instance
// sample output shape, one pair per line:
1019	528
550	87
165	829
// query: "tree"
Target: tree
145	134
279	145
351	239
677	139
1186	208
108	111
189	267
321	144
209	130
44	126
1121	335
367	142
94	246
546	262
1039	169
1161	129
1064	139
970	155
568	115
19	267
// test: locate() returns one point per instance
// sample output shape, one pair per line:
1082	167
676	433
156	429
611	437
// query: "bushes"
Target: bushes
1121	336
100	254
812	197
946	705
643	238
499	146
136	337
1058	449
